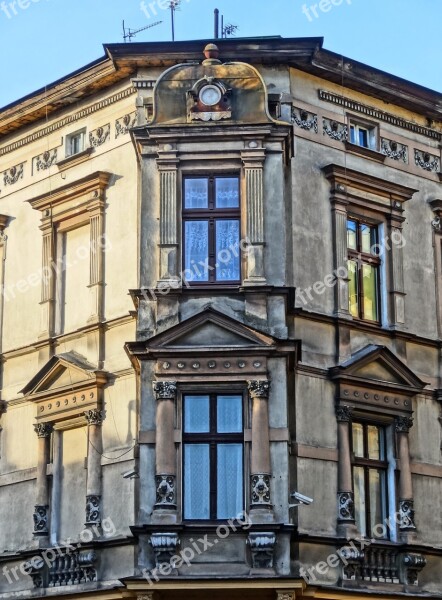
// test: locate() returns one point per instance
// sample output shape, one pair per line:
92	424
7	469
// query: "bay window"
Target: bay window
213	442
211	229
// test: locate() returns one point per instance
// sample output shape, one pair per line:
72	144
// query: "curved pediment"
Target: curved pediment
212	91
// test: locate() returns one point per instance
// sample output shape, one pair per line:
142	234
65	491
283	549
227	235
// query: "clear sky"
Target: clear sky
43	40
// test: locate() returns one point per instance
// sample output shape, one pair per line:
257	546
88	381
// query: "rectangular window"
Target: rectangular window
75	142
213	443
363	270
363	135
370	468
212	229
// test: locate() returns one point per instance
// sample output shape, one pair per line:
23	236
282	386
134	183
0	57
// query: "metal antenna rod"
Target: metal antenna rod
130	33
174	6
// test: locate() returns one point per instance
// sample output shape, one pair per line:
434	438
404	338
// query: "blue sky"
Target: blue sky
43	40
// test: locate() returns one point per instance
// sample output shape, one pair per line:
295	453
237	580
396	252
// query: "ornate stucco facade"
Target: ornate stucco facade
221	328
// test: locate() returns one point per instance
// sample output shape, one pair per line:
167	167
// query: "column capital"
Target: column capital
403	424
43	430
344	414
164	390
259	388
94	416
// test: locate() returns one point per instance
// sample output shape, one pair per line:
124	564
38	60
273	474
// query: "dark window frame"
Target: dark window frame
211	214
371	464
213	439
363	258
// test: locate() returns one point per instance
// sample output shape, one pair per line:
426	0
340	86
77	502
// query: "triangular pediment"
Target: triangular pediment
378	364
68	370
210	329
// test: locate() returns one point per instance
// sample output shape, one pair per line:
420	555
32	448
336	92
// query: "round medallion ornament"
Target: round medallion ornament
210	95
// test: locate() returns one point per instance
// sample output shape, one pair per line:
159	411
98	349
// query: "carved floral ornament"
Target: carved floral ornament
426	161
164	390
13	174
259	388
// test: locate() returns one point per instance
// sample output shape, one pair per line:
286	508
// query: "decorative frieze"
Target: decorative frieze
165	488
259	388
406	515
335	130
262	549
260	490
164	390
93	510
394	150
44	161
379	115
99	136
165	546
41	518
426	161
346	507
305	120
72	118
124	124
403	424
43	430
12	175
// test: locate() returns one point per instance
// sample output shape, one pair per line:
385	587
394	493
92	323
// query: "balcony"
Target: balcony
70	567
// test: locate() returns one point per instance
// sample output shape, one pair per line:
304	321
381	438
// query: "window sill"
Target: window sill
365	152
75	159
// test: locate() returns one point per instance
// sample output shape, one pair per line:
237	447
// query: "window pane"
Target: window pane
363	138
229	414
359	489
377	499
227	192
358	440
230	480
197	250
353	134
374	443
368	239
227	251
370	283
353	288
196	481
196	193
196	414
351	235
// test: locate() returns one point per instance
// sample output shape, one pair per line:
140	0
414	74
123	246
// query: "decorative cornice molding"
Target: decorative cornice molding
380	115
81	114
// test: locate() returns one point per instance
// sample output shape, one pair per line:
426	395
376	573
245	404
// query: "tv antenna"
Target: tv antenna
226	30
128	33
174	5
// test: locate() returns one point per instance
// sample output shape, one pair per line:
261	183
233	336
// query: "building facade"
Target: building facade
221	282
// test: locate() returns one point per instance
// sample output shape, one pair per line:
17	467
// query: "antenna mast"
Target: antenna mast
128	33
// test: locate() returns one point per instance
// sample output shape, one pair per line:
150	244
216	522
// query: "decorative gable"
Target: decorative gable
210	344
375	377
65	388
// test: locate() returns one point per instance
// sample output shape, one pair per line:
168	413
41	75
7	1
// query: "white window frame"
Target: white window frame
81	134
372	136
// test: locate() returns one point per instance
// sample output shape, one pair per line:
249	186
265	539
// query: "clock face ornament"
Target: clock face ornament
210	95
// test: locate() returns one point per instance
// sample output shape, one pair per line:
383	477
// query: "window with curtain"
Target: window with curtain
363	270
370	480
211	229
213	442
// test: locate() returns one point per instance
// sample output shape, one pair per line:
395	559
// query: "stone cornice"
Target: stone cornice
380	115
56	125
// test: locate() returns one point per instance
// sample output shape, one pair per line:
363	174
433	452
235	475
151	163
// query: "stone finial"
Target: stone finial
211	52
